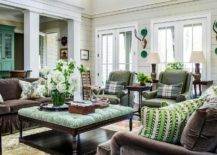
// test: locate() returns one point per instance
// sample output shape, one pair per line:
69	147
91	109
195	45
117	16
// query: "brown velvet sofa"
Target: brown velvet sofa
123	143
11	91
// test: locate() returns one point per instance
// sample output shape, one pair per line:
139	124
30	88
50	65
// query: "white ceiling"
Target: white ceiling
15	14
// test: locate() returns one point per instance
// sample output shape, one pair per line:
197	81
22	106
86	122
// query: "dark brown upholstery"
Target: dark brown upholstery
10	89
15	105
200	132
43	100
128	144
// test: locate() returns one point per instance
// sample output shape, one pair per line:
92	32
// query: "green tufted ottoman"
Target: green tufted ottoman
75	124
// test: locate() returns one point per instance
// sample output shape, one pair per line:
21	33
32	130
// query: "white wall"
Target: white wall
144	16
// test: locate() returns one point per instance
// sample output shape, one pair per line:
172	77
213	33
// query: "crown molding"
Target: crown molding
136	9
51	8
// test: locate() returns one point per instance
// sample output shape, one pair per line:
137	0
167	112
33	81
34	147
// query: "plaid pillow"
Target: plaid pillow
169	91
114	87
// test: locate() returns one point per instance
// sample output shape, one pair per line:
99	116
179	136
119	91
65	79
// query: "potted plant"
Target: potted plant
61	82
174	66
82	69
142	78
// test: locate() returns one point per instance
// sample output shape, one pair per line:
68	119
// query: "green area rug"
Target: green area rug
11	145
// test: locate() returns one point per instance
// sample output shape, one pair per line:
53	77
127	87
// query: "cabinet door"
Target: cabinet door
8	49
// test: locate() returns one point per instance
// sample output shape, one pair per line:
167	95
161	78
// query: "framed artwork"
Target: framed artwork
63	53
84	54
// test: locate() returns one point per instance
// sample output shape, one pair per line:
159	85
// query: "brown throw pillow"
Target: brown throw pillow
200	132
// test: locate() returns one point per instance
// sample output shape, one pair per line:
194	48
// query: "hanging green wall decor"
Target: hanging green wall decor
143	41
215	30
144	54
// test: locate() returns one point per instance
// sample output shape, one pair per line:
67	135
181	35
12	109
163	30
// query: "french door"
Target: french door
176	40
115	51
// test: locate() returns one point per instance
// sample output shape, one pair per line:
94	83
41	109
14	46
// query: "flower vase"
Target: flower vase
58	99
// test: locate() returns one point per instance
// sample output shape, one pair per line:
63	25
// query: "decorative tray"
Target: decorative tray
51	107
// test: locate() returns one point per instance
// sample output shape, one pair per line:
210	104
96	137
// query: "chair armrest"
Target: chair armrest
97	90
148	146
150	95
182	97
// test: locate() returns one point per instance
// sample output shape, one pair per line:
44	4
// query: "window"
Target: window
48	50
115	52
175	40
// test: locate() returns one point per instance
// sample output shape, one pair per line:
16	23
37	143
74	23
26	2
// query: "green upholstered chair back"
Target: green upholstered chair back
126	77
175	77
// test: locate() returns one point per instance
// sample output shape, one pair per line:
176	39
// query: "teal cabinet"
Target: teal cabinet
6	47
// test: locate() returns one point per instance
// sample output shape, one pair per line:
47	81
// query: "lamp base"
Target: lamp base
153	72
197	75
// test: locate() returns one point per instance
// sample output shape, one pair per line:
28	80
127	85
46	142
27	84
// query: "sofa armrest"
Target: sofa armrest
4	109
182	97
122	139
150	95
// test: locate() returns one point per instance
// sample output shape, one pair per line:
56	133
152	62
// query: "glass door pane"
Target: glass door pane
166	45
8	46
125	51
107	56
192	41
52	48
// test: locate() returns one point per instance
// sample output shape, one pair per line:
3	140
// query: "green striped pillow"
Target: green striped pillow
166	124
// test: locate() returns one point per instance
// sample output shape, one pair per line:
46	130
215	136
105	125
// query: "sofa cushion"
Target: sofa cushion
43	99
104	148
114	87
10	89
200	133
113	99
121	76
166	124
210	93
169	91
174	77
32	90
158	102
15	105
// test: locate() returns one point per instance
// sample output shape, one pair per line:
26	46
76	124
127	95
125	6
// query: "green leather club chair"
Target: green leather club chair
170	78
124	77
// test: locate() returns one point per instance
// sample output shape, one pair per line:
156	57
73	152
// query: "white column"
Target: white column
74	50
31	42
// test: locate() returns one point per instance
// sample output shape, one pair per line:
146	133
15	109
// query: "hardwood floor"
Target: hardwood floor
57	143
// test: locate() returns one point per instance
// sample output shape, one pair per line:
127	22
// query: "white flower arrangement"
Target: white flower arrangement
44	72
61	79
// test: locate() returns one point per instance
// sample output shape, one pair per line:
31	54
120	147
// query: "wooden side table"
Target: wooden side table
139	89
200	84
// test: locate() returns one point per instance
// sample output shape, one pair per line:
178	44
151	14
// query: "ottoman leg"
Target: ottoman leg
131	123
74	145
21	129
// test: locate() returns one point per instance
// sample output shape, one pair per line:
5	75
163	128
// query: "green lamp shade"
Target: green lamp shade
144	54
144	32
216	51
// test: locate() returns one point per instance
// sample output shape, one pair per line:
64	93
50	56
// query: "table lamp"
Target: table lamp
153	59
198	58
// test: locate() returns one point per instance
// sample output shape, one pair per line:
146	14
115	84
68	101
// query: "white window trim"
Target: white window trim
197	15
98	44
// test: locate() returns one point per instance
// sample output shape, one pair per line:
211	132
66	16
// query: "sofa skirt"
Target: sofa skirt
10	124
